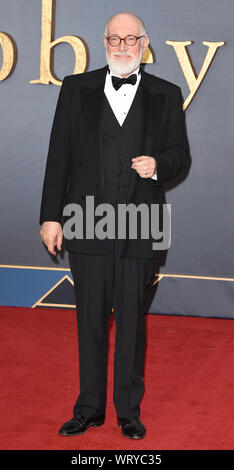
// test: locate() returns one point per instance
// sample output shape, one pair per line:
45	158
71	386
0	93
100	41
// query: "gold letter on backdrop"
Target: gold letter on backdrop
182	54
47	74
147	57
8	55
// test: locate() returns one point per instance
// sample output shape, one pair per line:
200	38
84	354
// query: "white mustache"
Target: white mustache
122	54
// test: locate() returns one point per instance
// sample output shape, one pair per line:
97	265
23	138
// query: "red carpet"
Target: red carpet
189	379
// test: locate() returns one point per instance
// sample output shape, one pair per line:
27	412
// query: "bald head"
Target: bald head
127	18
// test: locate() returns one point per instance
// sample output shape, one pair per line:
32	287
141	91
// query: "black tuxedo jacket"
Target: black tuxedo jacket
74	169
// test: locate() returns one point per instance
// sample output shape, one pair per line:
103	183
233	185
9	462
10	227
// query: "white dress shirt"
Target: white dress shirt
120	100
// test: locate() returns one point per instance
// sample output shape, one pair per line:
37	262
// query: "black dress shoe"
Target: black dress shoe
132	427
79	425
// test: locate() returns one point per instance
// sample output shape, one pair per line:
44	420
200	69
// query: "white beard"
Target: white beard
122	67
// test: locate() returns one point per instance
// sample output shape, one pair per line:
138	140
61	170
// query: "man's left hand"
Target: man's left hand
144	165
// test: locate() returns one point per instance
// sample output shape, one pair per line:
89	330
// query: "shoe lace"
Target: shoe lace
78	419
131	419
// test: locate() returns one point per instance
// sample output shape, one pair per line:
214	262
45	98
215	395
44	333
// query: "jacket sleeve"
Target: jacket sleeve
57	166
175	155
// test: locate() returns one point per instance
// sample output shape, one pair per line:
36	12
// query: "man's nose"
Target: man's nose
123	46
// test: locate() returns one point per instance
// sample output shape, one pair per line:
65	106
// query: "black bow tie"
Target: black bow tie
118	82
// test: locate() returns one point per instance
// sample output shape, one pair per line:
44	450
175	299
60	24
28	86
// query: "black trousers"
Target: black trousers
126	285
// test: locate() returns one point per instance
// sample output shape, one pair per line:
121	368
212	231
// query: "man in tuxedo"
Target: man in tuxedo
118	134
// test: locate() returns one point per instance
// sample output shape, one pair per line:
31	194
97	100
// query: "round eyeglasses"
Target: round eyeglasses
129	40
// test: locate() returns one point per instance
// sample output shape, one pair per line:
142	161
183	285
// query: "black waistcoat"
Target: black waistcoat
119	145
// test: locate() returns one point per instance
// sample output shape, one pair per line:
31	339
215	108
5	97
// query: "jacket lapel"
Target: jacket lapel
92	101
153	102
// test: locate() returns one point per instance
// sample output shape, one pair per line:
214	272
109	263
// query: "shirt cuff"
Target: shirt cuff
154	177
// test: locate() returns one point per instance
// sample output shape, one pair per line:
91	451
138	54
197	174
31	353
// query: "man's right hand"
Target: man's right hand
52	235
